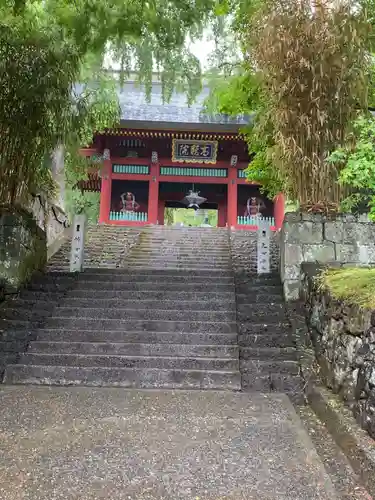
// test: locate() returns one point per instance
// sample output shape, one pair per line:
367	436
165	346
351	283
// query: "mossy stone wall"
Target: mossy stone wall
23	249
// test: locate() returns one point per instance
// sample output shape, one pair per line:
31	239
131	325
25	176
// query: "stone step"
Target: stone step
225	275
172	267
141	325
145	279
121	361
259	298
19	313
132	287
206	263
265	341
123	377
265	308
263	367
188	246
101	313
273	382
193	306
225	297
134	337
249	290
268	353
158	274
14	325
245	277
190	258
282	329
133	349
6	359
160	253
261	315
15	345
145	259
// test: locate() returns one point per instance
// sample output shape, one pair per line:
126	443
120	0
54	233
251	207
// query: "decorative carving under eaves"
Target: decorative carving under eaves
154	157
233	160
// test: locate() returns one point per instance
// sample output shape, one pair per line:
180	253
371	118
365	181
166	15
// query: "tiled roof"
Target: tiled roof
135	108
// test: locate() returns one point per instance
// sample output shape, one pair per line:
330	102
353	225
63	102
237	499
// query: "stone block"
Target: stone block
347	253
291	289
303	232
311	217
321	253
292	217
355	233
348	217
355	254
363	218
366	254
292	272
292	253
334	232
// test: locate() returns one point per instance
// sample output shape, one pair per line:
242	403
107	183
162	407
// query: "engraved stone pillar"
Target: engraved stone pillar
78	244
263	247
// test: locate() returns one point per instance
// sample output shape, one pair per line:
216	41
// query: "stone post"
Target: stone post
78	244
263	247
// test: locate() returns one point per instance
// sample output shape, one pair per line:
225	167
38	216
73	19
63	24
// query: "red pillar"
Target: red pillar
232	197
153	194
222	214
106	187
279	210
161	208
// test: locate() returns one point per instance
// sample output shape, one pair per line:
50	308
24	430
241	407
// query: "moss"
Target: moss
23	248
352	284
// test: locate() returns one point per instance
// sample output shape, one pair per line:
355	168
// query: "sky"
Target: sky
202	49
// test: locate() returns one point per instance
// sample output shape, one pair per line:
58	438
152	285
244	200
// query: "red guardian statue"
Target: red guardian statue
254	207
128	203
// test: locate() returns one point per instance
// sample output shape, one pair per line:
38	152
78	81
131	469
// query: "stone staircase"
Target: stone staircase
162	310
105	247
268	358
159	321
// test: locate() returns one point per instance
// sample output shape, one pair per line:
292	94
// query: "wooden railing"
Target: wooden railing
129	216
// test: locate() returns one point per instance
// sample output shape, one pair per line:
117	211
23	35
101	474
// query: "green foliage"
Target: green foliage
189	217
45	46
302	76
314	69
97	108
241	94
141	37
36	71
356	162
87	203
168	216
353	285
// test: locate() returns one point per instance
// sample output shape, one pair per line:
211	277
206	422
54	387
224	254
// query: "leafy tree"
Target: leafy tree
36	72
140	37
357	166
242	94
45	46
308	66
97	109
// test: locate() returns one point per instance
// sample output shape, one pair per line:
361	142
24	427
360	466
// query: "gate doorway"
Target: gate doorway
175	214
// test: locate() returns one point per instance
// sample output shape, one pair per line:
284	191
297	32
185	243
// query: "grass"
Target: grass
352	284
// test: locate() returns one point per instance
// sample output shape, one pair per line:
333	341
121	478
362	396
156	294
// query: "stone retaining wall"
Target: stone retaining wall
343	338
343	240
23	249
244	250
